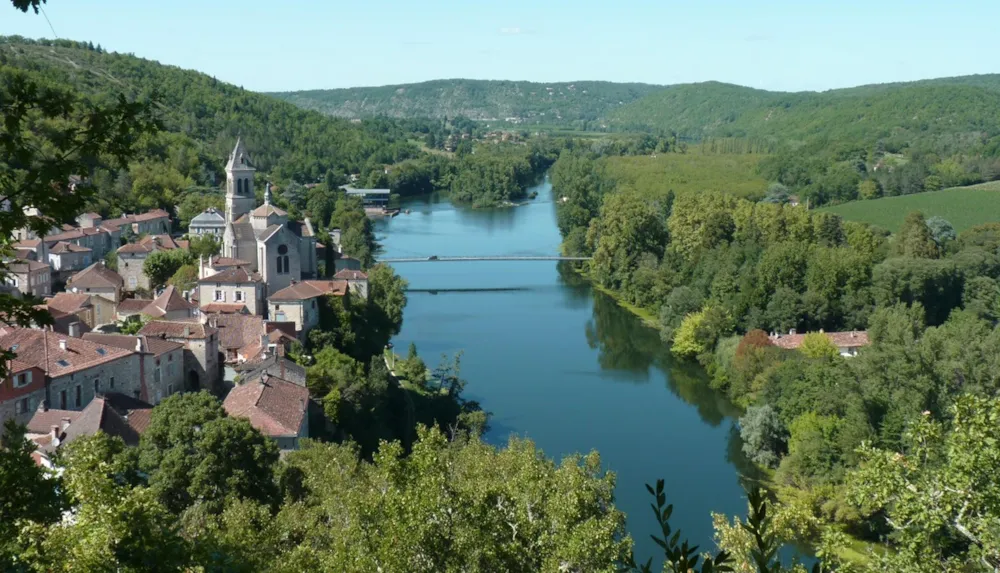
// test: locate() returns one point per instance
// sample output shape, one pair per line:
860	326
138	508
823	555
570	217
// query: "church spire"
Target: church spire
267	193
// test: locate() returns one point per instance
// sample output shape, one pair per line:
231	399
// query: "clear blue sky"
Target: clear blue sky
771	44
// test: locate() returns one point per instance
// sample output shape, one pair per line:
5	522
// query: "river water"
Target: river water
562	364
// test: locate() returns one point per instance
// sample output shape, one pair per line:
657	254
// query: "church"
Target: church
281	251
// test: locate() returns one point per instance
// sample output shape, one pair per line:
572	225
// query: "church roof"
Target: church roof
239	158
301	228
269	232
268	210
236	275
306	290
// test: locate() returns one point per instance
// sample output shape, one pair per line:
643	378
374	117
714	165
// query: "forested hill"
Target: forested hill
202	116
939	106
571	103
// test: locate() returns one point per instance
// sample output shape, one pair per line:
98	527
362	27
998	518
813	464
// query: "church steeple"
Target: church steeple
239	183
267	193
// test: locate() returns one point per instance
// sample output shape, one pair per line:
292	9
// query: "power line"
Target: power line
56	36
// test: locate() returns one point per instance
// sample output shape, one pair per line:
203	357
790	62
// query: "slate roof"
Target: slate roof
239	158
176	329
210	217
274	365
40	348
306	290
68	302
63	247
235	275
96	276
151	344
274	406
350	275
852	339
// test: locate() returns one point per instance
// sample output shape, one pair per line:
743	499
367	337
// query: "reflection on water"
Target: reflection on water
563	365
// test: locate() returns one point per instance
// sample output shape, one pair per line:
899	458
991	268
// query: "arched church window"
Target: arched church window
246	186
239	186
283	267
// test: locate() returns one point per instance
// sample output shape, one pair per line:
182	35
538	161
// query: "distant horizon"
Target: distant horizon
775	45
451	79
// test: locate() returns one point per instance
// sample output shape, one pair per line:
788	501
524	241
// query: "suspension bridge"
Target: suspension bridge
437	259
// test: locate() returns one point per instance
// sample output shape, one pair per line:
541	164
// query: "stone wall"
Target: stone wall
120	375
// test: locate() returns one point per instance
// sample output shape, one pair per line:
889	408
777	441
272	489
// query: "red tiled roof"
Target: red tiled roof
225	308
152	344
41	348
237	275
238	330
177	329
348	274
228	262
96	276
169	300
150	215
68	302
839	339
43	420
132	305
274	406
27	244
135	249
64	247
26	266
309	289
265	210
100	416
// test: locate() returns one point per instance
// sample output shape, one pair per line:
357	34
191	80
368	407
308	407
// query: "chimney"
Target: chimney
74	329
791	331
62	344
187	331
139	343
55	431
65	423
263	340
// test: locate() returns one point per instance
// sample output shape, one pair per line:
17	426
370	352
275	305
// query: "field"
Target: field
963	207
692	171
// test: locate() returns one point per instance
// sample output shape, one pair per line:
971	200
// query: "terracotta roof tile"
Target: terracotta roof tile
309	289
225	308
26	266
274	406
100	416
68	302
153	344
35	346
168	301
191	330
348	274
238	330
96	276
43	420
132	305
63	247
237	275
839	339
228	262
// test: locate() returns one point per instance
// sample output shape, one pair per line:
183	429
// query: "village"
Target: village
229	335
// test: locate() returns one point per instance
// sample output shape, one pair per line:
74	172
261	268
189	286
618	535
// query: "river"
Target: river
564	365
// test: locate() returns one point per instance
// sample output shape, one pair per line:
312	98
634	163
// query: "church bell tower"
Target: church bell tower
239	183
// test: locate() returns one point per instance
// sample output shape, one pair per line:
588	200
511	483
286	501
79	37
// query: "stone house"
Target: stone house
69	257
100	240
202	369
30	278
277	408
132	257
76	370
21	392
168	305
299	303
78	305
274	364
155	222
357	281
113	414
236	285
161	362
98	279
343	262
89	220
208	222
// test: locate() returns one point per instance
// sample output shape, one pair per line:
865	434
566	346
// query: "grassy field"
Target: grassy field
963	207
693	171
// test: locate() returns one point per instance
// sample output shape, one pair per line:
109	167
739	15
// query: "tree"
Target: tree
159	266
185	279
386	298
412	368
764	436
48	135
681	302
629	226
776	193
686	343
869	189
30	493
192	452
941	230
982	297
204	246
111	260
818	345
915	238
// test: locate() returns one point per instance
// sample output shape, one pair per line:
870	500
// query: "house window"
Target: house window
220	296
97	386
156	375
111	382
170	389
22	380
79	396
132	282
21	406
62	400
238	296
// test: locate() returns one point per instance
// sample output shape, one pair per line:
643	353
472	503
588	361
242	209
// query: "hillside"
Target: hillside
207	114
572	103
963	207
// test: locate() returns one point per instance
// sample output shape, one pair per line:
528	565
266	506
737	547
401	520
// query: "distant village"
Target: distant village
229	335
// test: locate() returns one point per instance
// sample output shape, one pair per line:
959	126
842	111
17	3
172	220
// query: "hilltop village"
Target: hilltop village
120	341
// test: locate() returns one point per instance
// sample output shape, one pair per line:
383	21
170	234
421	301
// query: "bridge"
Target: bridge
437	259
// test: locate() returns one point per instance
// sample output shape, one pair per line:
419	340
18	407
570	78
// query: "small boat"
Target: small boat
407	211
